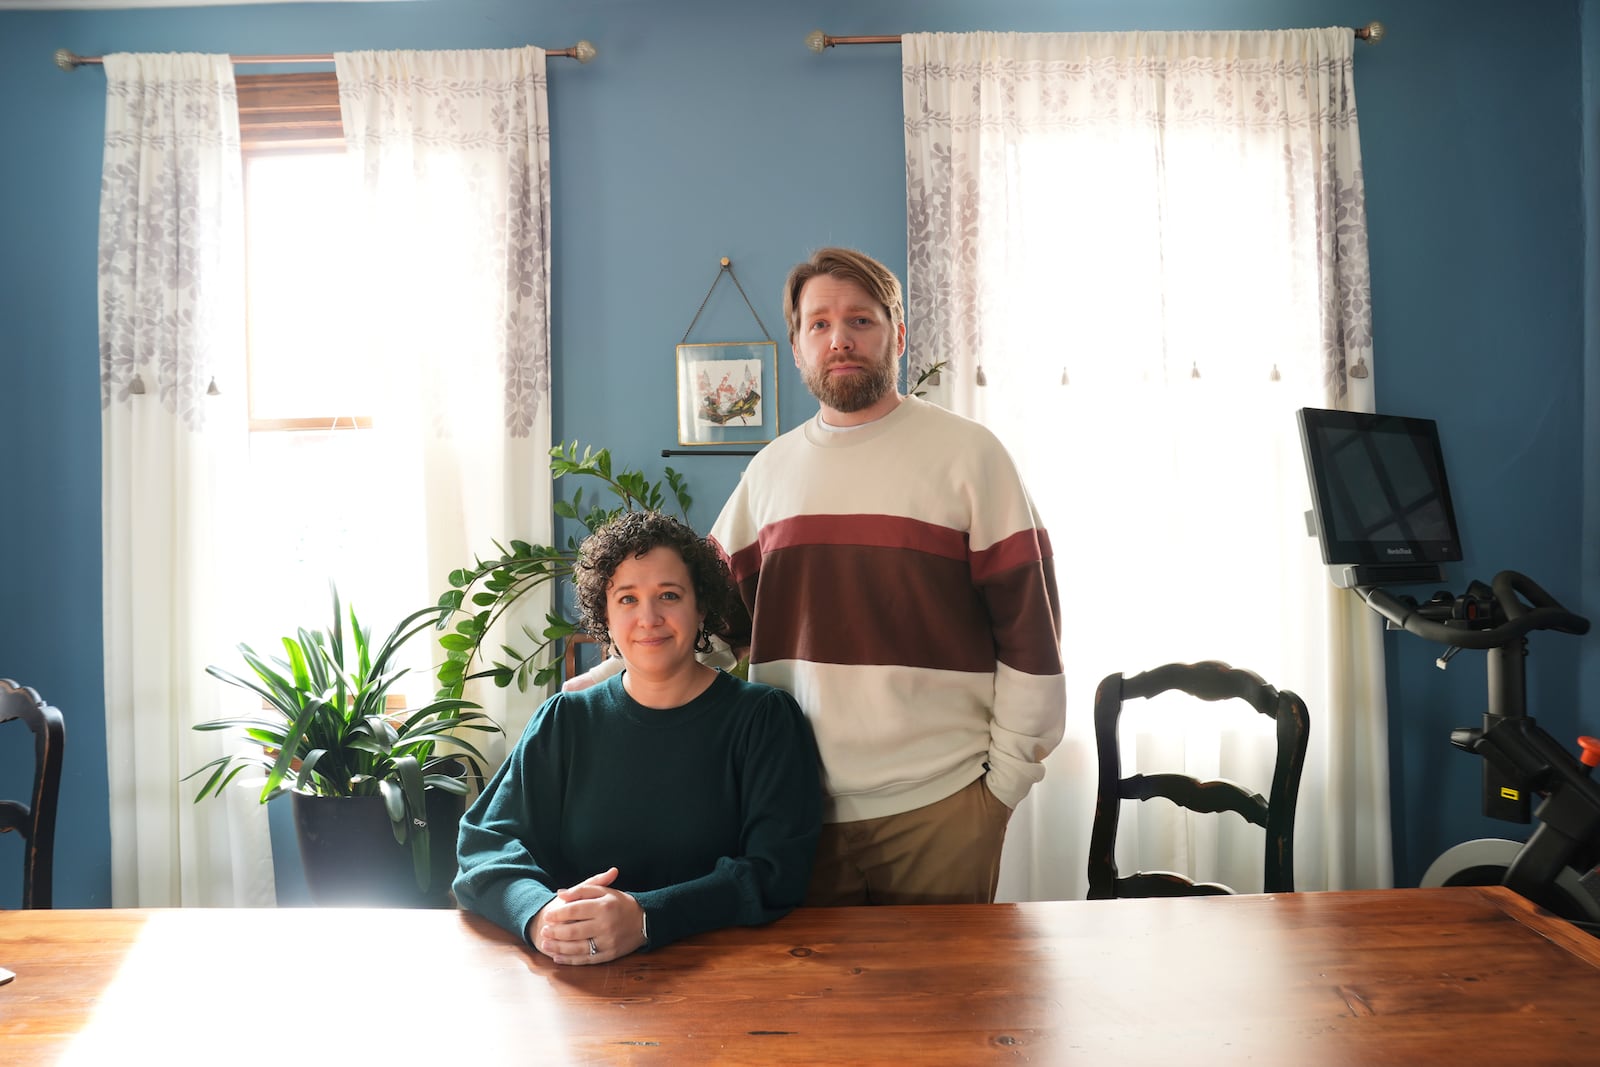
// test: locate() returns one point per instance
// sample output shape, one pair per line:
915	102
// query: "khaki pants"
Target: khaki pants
945	853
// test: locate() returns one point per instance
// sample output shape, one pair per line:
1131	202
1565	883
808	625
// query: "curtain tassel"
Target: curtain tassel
1064	380
212	390
1274	376
1360	368
981	378
1194	370
136	387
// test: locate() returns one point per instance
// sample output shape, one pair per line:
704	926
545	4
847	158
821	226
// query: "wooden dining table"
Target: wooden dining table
1411	976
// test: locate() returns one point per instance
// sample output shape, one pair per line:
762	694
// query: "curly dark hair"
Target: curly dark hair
632	535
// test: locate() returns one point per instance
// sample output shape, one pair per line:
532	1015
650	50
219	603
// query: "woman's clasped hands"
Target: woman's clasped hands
589	923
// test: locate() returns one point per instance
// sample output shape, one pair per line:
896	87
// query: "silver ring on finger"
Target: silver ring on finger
594	949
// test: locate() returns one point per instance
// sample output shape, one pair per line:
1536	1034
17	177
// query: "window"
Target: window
317	446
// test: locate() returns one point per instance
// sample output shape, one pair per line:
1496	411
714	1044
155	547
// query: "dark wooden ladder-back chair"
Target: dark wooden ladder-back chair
35	820
571	658
1210	680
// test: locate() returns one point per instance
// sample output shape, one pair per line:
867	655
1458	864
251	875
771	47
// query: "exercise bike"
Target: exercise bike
1556	867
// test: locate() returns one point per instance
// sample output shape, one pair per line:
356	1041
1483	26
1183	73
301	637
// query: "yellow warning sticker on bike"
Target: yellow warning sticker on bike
1510	794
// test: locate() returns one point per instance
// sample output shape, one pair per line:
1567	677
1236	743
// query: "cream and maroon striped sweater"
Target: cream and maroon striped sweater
900	585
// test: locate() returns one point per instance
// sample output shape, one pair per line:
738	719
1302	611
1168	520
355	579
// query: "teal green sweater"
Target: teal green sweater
710	811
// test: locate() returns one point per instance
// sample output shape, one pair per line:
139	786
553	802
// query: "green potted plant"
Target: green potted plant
370	783
492	586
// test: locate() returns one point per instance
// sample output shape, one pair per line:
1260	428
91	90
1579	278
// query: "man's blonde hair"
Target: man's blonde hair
850	265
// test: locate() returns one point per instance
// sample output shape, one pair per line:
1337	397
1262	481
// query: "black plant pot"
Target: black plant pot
352	859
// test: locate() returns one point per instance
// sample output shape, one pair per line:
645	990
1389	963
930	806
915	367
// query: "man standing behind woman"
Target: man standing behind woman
670	799
901	586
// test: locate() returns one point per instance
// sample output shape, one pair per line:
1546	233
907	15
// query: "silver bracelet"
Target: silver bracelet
644	925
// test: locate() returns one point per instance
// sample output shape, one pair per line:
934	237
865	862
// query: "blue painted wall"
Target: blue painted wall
705	128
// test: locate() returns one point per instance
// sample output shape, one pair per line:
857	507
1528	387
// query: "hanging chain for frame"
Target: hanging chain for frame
726	268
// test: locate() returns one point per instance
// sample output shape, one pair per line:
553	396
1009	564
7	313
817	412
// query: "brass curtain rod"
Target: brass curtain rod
816	40
583	51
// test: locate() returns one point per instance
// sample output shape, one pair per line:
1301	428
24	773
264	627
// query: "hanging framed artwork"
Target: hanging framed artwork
727	393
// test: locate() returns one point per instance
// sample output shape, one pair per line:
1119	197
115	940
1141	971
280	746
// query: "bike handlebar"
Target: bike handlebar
1546	613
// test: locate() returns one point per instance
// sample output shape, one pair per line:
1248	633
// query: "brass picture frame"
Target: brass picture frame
727	393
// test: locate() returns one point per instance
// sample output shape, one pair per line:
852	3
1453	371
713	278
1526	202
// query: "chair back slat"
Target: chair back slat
1207	797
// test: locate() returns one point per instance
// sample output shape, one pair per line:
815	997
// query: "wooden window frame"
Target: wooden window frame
285	113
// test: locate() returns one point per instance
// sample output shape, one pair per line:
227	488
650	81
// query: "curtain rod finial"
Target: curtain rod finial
65	59
1373	32
583	51
816	40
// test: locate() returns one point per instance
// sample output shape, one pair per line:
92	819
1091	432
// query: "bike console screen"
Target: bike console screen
1380	500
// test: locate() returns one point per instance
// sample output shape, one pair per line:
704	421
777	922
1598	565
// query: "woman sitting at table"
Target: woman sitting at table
668	800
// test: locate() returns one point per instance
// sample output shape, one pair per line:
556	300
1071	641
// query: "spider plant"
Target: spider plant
325	729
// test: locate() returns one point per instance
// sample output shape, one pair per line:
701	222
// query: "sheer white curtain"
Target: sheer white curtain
171	323
1140	253
450	272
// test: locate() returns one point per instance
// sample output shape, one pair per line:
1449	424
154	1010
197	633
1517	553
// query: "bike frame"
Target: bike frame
1520	758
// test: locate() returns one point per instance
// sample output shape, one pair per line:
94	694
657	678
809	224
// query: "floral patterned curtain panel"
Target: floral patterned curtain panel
1138	254
171	325
451	275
